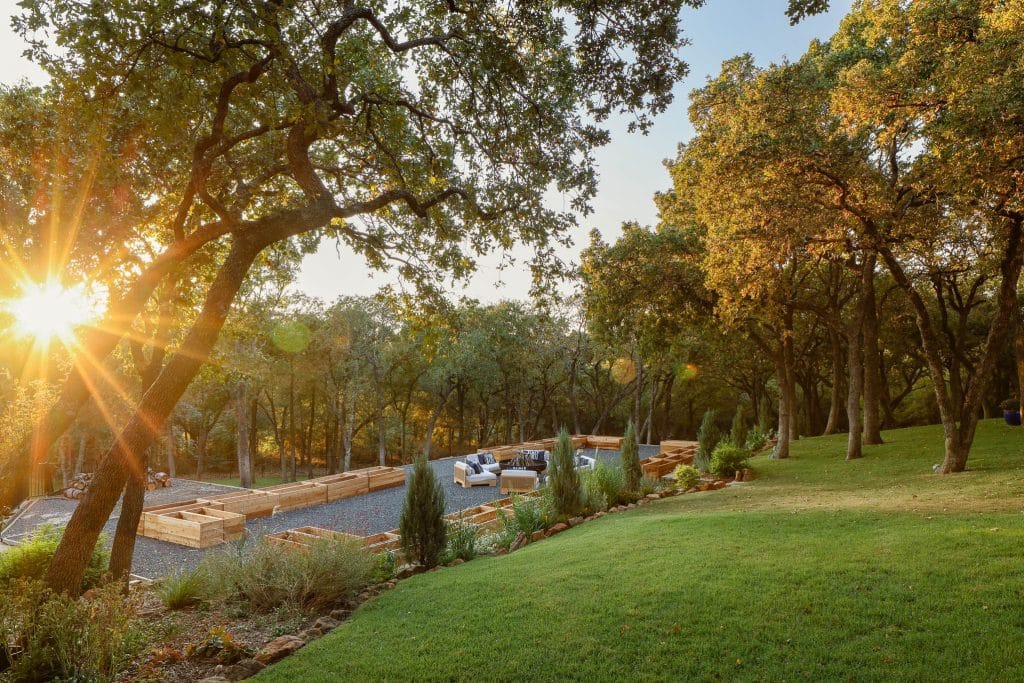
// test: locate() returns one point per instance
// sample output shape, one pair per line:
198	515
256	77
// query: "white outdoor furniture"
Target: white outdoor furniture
485	460
465	476
585	462
518	481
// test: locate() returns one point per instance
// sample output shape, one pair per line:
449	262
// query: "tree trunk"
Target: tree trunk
64	574
872	356
855	351
1018	348
80	460
172	469
782	445
242	434
123	550
291	414
835	401
309	434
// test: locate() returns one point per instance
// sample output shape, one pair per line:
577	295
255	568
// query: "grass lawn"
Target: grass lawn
819	570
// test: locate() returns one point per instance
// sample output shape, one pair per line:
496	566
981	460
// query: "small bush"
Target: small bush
422	524
526	516
756	440
631	470
183	589
764	415
738	432
592	496
708	437
649	485
331	572
686	476
47	637
31	559
386	566
564	480
727	459
462	538
611	482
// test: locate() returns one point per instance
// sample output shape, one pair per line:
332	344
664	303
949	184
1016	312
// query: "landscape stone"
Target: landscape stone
575	521
456	562
558	528
326	624
278	649
518	543
537	535
247	668
340	614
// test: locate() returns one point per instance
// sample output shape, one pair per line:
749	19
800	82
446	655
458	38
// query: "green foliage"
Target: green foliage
728	458
386	566
329	573
462	541
738	432
422	524
563	478
649	485
686	476
708	437
631	469
46	637
764	415
611	482
183	589
30	559
527	514
592	497
756	439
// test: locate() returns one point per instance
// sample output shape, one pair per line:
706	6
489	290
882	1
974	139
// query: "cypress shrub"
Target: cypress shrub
631	470
565	480
708	437
422	524
738	433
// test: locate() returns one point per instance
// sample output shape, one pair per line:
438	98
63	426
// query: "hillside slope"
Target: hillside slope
819	570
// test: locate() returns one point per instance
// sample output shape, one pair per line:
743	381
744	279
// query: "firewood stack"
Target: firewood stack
77	487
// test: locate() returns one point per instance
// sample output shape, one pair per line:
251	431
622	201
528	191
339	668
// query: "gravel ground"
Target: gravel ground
363	515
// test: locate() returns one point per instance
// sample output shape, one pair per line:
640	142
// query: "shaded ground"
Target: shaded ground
372	513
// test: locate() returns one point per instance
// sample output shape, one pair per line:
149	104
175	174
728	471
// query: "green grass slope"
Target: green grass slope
820	570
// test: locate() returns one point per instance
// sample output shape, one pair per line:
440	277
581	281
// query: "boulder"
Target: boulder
653	496
456	562
325	624
558	528
599	514
278	649
247	668
518	543
340	614
537	535
575	521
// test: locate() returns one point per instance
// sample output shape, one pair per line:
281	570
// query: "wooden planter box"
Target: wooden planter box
345	485
386	540
480	515
198	528
254	503
579	441
503	453
379	478
612	443
669	445
304	537
298	495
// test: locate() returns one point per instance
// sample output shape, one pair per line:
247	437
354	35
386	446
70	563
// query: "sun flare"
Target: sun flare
47	311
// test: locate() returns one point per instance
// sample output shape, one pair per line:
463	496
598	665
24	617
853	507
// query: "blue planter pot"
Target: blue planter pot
1012	417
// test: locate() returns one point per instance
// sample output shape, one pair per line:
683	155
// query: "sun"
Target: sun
49	311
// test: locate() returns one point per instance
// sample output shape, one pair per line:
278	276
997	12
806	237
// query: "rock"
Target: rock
309	634
518	543
456	562
599	514
720	484
537	535
575	521
214	679
278	649
501	551
588	519
653	496
748	474
631	506
247	668
392	583
340	614
325	624
407	571
558	528
738	476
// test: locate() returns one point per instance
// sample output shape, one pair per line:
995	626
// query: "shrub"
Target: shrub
592	496
183	589
526	516
54	637
461	541
611	482
422	524
649	485
330	572
738	432
764	415
708	437
631	469
686	476
728	458
563	478
30	559
386	566
756	440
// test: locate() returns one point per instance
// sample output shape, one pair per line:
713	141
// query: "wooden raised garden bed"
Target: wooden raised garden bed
345	485
199	527
253	503
612	443
670	445
380	478
304	537
297	495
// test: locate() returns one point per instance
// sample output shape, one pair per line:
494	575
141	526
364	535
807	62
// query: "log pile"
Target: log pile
77	487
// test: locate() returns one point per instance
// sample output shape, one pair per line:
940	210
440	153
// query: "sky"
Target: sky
630	168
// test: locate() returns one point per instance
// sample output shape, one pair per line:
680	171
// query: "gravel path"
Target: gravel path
363	515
